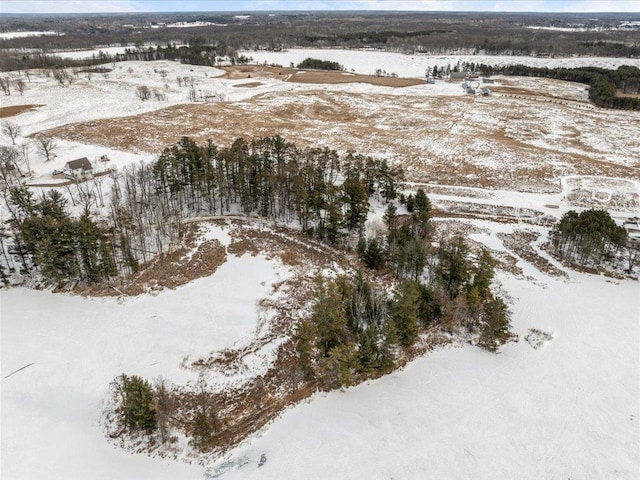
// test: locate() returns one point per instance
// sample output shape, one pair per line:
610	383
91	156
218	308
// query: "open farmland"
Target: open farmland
526	136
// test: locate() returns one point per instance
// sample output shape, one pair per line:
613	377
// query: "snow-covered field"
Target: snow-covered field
566	410
367	62
9	35
75	347
107	95
82	54
532	148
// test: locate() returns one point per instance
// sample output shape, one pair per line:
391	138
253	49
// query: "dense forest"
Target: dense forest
607	34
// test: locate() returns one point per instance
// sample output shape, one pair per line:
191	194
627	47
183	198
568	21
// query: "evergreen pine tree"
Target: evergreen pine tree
405	310
138	409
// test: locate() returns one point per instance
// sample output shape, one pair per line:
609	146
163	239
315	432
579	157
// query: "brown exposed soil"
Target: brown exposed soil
251	71
6	112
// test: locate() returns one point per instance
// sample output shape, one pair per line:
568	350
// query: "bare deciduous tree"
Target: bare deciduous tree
46	146
5	85
9	164
632	249
63	77
165	406
143	92
25	147
159	94
21	85
12	130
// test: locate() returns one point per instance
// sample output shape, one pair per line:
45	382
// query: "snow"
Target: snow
106	97
621	26
367	62
83	54
567	410
9	35
77	347
194	24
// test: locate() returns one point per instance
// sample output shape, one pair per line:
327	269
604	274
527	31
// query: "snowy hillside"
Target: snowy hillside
566	410
73	348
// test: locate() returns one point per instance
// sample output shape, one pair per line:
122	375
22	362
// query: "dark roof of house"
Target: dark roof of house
82	163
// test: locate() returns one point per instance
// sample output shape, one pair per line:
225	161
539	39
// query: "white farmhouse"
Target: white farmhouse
79	169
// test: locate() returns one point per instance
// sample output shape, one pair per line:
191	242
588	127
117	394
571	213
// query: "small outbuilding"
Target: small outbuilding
79	169
458	75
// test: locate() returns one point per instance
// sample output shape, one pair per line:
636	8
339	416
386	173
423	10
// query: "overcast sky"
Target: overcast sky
92	6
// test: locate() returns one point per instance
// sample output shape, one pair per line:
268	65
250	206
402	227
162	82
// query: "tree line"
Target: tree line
443	33
324	193
604	83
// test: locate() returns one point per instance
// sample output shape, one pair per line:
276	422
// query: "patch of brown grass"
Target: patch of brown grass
174	269
6	112
620	93
330	77
250	71
292	248
465	141
333	77
169	270
248	85
520	243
